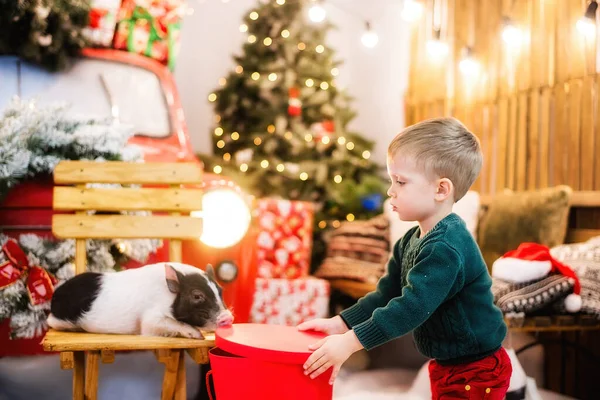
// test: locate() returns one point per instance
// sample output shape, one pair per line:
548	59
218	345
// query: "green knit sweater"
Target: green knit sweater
438	287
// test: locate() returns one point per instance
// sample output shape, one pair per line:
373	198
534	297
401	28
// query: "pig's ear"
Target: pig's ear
172	279
210	272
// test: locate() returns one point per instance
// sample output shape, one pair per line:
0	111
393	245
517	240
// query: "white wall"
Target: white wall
376	78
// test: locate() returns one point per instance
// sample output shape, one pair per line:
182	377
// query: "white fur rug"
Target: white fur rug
383	384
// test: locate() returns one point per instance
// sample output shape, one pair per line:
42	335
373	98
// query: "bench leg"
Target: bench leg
91	375
180	388
78	375
170	378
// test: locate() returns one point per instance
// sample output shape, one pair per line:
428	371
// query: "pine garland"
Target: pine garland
32	141
46	32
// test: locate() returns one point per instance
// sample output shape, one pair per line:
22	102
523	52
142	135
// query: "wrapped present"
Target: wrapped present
284	239
151	27
102	22
289	301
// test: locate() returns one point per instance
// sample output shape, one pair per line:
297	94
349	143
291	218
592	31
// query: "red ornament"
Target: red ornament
294	103
40	283
323	129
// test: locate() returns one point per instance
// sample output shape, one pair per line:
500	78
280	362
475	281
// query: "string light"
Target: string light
255	76
335	71
221	144
303	176
217	169
280	167
264	163
468	65
257	141
309	83
222	81
350	145
337	179
320	48
435	47
243	28
288	135
217	118
271	128
272	76
316	13
235	136
267	41
587	24
285	34
336	224
239	69
251	39
218	131
325	140
226	157
366	154
212	97
253	15
322	224
281	2
308	137
350	217
342	140
511	35
301	46
244	167
369	38
412	10
324	85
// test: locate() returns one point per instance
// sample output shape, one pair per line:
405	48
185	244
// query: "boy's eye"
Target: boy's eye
400	183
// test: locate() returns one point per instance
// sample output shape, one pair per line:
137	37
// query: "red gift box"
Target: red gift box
151	27
289	301
285	238
102	22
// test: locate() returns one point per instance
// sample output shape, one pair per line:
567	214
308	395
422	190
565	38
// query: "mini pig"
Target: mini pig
164	299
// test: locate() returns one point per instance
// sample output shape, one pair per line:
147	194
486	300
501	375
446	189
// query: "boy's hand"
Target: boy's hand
331	351
330	326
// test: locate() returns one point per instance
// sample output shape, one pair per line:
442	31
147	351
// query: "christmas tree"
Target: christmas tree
46	32
281	123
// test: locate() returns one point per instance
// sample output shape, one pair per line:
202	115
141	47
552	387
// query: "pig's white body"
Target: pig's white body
136	301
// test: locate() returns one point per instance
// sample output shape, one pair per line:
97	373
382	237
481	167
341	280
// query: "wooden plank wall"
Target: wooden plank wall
532	105
535	108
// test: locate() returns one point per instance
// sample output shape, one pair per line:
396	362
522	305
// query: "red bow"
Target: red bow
40	283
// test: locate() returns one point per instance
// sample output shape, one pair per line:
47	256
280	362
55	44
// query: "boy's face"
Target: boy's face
412	192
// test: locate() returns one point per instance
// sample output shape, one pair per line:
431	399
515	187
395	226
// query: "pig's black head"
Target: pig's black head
198	300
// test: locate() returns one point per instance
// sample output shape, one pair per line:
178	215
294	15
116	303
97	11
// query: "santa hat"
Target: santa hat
532	261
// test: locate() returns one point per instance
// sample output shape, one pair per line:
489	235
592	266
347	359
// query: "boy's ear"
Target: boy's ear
444	189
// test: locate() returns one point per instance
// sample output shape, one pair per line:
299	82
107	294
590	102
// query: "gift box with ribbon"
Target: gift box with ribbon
102	22
151	28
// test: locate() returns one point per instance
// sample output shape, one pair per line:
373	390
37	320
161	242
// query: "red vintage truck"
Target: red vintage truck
140	91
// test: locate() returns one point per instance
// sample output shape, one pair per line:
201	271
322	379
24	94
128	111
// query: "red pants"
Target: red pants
487	379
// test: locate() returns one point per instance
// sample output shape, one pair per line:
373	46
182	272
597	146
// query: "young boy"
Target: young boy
437	284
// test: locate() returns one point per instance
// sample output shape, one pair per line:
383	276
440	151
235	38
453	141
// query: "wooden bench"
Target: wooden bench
82	351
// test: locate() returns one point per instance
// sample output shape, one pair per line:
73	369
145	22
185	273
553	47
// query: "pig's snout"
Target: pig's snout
225	318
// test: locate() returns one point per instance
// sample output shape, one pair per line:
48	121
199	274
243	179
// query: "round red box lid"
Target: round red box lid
274	343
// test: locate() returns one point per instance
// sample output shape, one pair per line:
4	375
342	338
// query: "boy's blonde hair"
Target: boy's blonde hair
444	147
